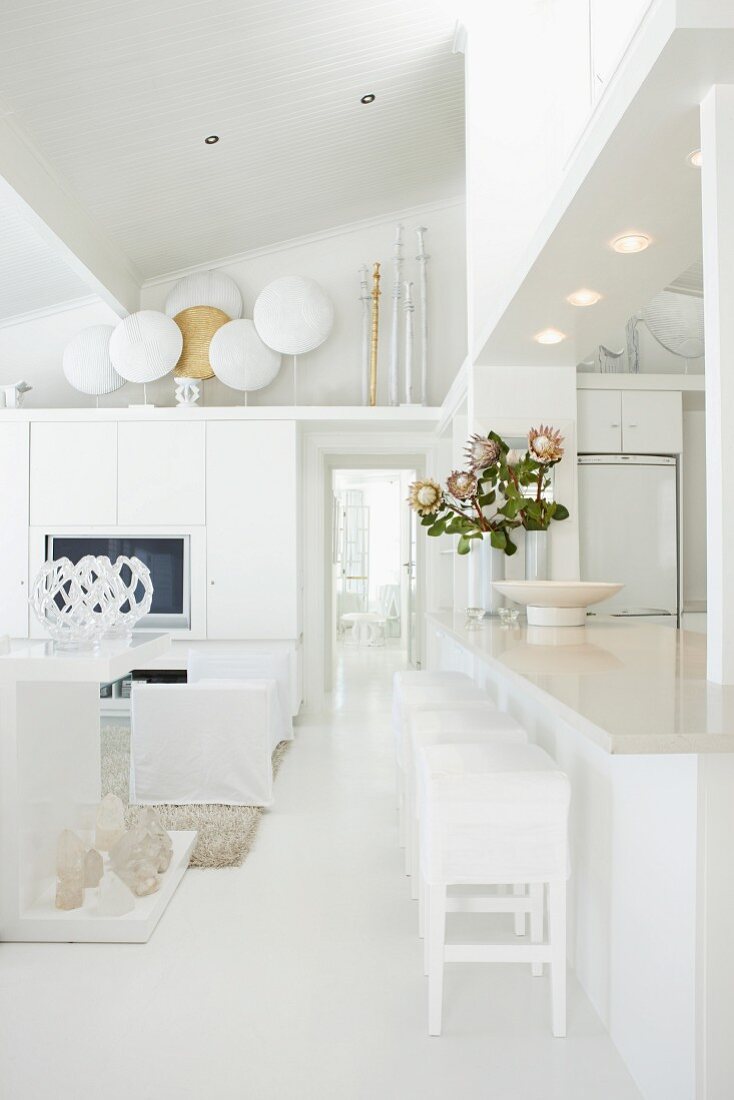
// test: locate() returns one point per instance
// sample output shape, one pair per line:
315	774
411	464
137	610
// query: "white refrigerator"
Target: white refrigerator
628	519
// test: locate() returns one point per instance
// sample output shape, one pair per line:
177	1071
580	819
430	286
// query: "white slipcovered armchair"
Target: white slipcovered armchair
207	742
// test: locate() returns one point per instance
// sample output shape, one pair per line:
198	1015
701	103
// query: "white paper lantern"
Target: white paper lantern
205	288
240	359
293	315
145	346
87	364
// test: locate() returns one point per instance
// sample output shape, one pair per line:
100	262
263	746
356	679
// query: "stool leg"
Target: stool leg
557	930
414	858
435	936
536	923
519	891
408	826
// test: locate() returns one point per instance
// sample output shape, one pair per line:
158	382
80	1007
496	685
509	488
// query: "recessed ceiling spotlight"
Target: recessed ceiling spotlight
212	139
369	98
584	297
695	159
631	242
549	336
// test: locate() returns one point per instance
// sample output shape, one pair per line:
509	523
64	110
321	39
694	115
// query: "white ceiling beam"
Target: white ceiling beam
27	181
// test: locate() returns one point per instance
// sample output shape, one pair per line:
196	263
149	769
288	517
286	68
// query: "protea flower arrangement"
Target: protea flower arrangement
501	490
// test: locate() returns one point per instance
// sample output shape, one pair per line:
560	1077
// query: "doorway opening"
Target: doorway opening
374	590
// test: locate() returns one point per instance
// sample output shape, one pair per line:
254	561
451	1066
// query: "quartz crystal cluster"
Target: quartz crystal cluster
137	857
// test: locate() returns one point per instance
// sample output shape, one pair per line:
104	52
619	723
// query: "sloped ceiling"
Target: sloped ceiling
118	98
32	276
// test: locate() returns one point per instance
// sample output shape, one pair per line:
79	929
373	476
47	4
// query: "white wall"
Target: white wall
331	374
33	350
328	376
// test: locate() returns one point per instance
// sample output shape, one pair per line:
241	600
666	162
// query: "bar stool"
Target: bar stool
489	815
422	696
450	724
416	677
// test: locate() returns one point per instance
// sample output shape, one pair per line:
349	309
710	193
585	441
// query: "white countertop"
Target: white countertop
628	686
43	661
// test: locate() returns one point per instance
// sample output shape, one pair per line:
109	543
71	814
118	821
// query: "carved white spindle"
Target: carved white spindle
393	382
423	259
366	325
409	311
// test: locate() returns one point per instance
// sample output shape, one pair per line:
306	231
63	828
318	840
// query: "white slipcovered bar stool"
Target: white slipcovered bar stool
422	696
489	815
448	724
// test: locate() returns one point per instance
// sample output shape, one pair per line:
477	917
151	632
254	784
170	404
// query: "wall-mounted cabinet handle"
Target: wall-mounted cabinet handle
631	425
614	425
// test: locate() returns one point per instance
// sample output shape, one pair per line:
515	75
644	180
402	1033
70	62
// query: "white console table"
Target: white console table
50	780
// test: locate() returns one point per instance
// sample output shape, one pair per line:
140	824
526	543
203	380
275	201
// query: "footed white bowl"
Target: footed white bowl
556	603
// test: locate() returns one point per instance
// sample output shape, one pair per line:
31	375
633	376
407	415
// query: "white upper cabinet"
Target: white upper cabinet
652	422
252	530
14	441
630	421
161	473
73	476
600	421
612	24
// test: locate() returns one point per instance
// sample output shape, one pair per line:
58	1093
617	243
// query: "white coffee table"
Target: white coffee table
367	628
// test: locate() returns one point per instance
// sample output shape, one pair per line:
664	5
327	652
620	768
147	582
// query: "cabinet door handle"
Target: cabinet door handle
614	425
631	425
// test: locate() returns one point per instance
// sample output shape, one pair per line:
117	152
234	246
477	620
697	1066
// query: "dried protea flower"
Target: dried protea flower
481	452
545	444
461	484
425	497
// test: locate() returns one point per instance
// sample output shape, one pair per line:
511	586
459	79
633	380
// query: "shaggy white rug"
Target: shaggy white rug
226	833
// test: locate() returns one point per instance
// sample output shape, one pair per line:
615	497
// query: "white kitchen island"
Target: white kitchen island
648	744
50	780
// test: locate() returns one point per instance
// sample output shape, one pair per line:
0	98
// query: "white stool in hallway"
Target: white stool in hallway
490	815
422	697
367	628
482	723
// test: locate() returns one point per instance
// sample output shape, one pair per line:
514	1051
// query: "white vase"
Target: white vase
485	566
537	556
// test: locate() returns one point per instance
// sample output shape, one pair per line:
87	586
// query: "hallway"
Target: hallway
297	976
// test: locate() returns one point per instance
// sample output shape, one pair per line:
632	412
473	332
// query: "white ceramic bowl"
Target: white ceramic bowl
556	603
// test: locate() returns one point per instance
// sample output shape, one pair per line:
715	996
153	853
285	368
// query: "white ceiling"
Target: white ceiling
32	275
118	97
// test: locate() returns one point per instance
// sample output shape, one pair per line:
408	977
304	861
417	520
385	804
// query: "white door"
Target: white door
161	473
14	445
73	474
252	530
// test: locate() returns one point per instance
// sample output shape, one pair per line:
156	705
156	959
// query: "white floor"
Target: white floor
297	976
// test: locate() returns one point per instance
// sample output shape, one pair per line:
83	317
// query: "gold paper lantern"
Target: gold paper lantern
198	324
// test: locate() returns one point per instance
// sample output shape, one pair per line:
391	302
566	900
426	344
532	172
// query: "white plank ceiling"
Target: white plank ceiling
32	275
118	98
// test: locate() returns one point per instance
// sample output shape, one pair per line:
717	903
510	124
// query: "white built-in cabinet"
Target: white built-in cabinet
630	421
161	476
252	529
14	457
73	476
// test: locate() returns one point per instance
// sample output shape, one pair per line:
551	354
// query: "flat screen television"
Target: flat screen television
167	557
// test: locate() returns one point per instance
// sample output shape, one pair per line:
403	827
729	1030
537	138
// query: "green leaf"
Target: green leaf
437	529
463	546
428	521
498	539
561	512
485	499
511	547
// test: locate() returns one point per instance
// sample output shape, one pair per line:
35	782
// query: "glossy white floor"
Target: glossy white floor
298	975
